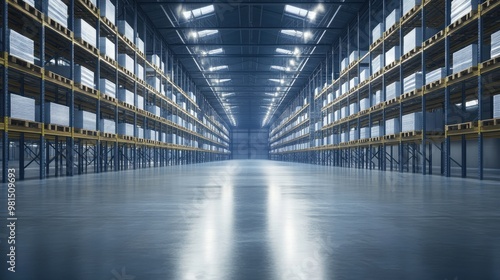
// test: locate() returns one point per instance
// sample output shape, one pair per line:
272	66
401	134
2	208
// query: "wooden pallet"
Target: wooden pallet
460	126
490	123
109	60
461	74
107	135
390	102
86	132
377	107
410	94
489	5
126	71
28	8
109	98
141	140
90	6
127	41
461	21
390	66
378	73
390	137
364	140
433	85
126	137
411	53
410	13
88	46
87	89
433	39
491	63
59	128
126	105
24	123
109	24
59	27
377	43
24	64
390	30
409	134
58	77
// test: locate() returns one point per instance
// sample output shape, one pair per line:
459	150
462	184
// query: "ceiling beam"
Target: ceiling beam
251	3
248	45
269	55
243	28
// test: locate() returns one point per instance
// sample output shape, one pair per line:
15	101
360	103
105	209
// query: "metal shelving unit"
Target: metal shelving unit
445	98
183	129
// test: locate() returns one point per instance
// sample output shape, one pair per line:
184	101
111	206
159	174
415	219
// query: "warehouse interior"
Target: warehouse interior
216	139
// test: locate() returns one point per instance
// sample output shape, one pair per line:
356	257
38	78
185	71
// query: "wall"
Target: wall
250	144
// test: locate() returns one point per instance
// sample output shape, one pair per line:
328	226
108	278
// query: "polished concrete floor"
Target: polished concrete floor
255	220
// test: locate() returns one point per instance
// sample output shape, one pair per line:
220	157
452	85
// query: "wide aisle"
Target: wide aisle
255	220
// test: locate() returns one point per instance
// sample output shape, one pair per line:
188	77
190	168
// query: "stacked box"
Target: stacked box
353	134
140	45
365	74
377	97
364	132
460	8
392	55
353	108
126	96
336	115
409	4
22	107
495	44
58	11
108	126
374	131
391	19
154	82
85	120
155	110
412	122
140	132
85	31
465	58
107	87
140	102
412	40
126	62
343	112
392	126
20	46
344	137
364	104
107	10
154	59
107	47
329	98
126	30
83	75
496	106
377	32
356	55
377	63
435	75
344	63
151	134
412	82
345	88
163	136
392	91
126	129
337	93
140	71
353	82
55	113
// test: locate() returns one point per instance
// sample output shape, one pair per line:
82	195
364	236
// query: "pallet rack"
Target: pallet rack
57	150
410	151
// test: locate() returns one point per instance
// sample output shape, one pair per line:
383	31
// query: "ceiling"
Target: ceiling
238	55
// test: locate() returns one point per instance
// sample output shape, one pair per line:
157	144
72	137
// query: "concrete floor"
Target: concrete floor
255	220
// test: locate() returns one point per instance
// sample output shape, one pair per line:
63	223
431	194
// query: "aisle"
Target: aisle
256	220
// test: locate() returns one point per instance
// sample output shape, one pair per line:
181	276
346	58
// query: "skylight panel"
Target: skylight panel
303	13
291	32
215	51
205	33
283	51
280	68
196	13
217	68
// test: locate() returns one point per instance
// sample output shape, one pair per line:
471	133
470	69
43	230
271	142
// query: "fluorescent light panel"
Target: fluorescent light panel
283	51
199	12
205	33
292	32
